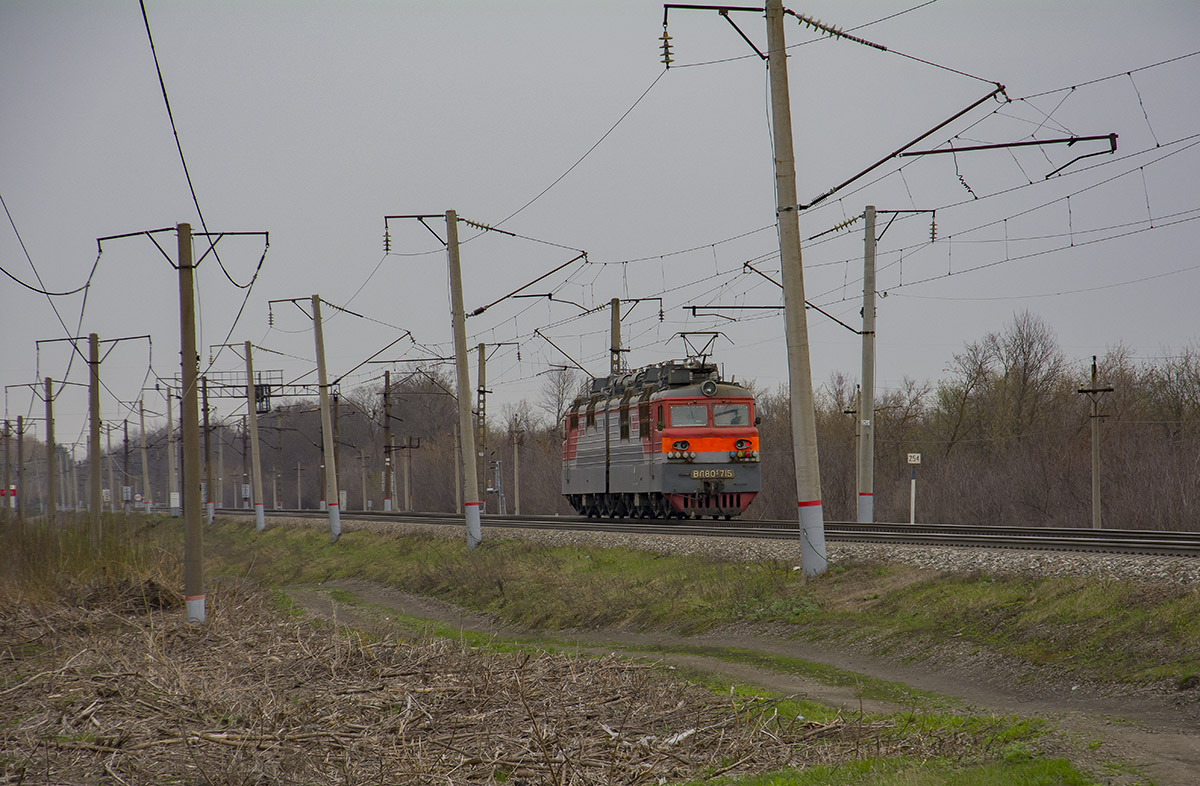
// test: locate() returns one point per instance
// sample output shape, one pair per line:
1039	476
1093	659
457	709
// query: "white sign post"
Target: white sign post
913	460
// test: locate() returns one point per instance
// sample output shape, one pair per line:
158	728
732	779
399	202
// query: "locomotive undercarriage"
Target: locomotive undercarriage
656	505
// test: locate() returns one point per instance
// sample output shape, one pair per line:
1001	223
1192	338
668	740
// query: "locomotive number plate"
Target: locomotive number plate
712	473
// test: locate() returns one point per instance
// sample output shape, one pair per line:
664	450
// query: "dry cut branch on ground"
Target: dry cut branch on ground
122	690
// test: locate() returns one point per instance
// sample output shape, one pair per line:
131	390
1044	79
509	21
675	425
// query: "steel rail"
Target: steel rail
1110	541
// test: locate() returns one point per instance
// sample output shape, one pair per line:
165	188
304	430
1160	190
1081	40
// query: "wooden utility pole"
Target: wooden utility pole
51	480
331	488
95	495
470	478
260	520
189	420
866	407
804	432
1094	393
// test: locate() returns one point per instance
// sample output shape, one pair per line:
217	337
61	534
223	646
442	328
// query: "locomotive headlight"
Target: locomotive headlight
692	455
680	444
742	444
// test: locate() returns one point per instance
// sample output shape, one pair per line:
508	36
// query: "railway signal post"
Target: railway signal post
913	460
1094	393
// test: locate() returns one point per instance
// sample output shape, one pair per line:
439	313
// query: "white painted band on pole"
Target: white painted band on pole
211	510
195	609
474	530
866	508
260	517
387	505
335	522
813	559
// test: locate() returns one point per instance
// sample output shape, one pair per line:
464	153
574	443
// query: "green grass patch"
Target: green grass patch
1097	629
867	687
1100	629
905	772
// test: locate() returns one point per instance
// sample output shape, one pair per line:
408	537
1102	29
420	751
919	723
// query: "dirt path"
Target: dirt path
1158	734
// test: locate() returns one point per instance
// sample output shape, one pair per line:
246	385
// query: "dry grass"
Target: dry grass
120	689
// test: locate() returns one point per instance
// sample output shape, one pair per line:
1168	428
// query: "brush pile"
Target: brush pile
117	688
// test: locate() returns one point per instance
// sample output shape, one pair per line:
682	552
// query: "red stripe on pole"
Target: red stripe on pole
808	504
333	504
866	494
470	504
194	597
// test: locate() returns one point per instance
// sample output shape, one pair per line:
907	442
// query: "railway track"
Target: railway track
1112	541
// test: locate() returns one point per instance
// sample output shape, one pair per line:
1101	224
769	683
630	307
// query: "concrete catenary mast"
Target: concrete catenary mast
804	434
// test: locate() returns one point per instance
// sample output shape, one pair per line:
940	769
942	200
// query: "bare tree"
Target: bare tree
557	392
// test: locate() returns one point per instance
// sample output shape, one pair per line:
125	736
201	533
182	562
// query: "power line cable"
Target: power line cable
580	160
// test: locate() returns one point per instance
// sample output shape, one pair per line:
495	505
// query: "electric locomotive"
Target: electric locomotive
673	440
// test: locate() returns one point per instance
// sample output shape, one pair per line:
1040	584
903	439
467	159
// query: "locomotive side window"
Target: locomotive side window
573	421
624	421
661	422
689	415
731	415
643	419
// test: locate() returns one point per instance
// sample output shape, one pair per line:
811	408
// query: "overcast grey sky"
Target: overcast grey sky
315	120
